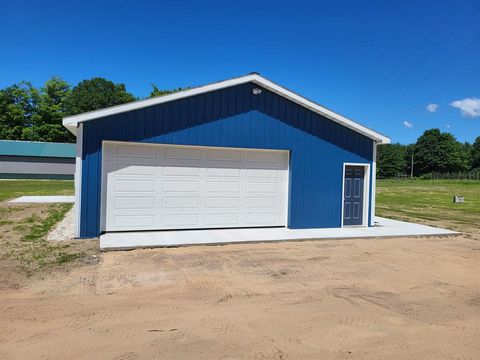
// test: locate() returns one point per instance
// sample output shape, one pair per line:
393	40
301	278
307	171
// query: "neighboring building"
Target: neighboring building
36	160
243	152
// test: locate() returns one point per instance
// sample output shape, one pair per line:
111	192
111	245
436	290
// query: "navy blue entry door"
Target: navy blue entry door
353	195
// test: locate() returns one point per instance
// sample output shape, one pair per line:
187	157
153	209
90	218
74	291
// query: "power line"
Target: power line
451	85
430	51
399	64
409	90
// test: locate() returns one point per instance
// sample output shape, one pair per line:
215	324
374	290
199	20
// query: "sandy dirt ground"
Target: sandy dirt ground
415	298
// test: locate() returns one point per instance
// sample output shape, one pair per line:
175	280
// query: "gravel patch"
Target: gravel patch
64	229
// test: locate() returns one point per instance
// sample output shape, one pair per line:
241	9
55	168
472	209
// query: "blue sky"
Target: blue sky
379	62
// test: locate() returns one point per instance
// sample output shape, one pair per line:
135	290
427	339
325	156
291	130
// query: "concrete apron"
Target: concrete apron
144	239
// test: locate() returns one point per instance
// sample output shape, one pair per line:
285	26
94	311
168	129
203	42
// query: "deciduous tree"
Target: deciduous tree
475	154
96	93
390	160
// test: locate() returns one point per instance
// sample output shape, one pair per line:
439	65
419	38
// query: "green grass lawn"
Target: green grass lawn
10	189
431	202
24	227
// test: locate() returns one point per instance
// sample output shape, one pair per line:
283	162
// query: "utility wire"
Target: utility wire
430	51
451	85
409	90
404	59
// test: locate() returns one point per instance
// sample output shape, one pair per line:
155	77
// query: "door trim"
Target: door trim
366	192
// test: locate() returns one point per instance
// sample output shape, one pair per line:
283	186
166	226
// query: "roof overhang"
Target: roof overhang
72	122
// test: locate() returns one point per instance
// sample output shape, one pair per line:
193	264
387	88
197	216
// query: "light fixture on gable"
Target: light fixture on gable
256	91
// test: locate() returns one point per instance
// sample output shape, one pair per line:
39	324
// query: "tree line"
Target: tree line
35	114
433	152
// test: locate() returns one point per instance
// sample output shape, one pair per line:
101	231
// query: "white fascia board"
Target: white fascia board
72	122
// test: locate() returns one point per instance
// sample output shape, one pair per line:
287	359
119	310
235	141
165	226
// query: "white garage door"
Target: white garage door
151	187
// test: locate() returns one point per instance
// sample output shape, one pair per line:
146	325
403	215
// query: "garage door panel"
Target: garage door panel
136	151
223	186
182	153
222	203
128	151
261	218
265	165
223	172
180	202
134	221
179	186
222	219
255	174
175	187
182	220
136	203
266	156
228	156
193	171
133	186
262	202
262	187
134	169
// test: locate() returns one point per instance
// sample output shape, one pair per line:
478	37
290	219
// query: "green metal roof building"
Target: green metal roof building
36	160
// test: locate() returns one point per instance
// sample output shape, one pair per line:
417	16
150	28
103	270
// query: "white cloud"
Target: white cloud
407	124
432	108
448	126
469	107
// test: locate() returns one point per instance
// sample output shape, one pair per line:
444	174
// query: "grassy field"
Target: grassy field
10	189
431	202
24	227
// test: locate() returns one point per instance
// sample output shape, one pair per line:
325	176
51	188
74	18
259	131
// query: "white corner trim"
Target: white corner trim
72	122
374	184
103	187
78	180
366	190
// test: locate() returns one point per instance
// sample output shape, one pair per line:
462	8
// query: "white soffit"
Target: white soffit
72	122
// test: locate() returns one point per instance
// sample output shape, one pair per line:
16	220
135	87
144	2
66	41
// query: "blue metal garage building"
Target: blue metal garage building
236	153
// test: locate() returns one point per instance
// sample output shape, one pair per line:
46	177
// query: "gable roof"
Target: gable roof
71	122
36	148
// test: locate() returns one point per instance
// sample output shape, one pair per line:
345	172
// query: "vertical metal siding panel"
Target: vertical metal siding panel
208	119
176	135
166	122
192	121
217	116
141	124
232	118
223	114
200	121
249	120
262	101
182	118
156	128
149	124
240	119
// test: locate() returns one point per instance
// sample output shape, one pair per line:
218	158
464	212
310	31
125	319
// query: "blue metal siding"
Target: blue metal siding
234	117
